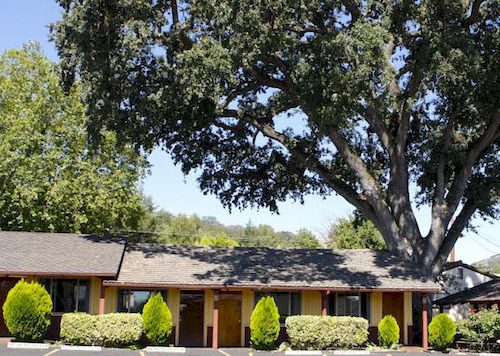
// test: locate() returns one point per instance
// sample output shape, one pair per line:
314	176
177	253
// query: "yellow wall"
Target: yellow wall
247	304
408	315
111	298
95	293
173	303
311	302
208	312
375	308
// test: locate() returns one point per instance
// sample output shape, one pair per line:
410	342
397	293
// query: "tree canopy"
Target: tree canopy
355	232
276	99
50	179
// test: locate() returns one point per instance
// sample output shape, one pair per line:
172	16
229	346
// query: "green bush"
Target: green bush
388	331
482	327
441	332
27	311
311	332
112	330
157	320
265	324
79	329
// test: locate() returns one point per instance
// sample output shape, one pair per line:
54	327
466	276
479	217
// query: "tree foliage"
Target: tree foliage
355	232
264	324
157	320
50	179
271	100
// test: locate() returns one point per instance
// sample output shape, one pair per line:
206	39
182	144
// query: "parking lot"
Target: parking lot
55	351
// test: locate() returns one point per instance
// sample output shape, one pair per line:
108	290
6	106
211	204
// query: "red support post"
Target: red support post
102	298
324	302
215	321
425	334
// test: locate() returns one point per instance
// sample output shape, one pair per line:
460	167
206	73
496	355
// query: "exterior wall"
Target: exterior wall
408	318
94	295
375	308
111	299
208	313
456	312
311	302
173	302
247	303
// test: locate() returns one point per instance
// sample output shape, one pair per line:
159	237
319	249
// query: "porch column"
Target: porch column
324	302
102	298
215	321
425	342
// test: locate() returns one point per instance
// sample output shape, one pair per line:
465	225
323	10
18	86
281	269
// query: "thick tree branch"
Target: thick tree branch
474	12
453	234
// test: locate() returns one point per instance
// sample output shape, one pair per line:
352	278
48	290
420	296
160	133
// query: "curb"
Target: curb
176	350
304	352
27	345
81	348
351	352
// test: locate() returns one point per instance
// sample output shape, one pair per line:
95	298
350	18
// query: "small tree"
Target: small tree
157	320
27	311
441	332
265	324
388	331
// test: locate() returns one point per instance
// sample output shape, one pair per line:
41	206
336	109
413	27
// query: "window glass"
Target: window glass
348	304
288	303
68	295
123	295
365	306
138	298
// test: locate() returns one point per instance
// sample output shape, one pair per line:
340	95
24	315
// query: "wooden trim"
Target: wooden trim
425	340
324	302
102	299
55	274
224	288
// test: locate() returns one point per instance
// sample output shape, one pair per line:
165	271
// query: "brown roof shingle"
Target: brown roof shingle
59	253
488	292
164	265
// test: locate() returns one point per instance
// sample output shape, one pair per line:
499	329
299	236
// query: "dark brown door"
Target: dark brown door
191	318
229	319
5	285
393	304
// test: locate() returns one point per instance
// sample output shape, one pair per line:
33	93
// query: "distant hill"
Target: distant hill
491	264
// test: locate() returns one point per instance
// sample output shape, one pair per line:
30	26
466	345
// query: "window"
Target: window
349	304
133	300
460	273
288	303
68	295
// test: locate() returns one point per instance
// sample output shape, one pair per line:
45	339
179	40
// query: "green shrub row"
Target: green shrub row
482	327
113	330
312	332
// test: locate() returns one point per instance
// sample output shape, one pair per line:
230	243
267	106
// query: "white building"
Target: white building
456	277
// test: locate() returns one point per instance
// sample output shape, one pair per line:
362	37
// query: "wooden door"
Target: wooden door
230	320
393	304
5	285
191	318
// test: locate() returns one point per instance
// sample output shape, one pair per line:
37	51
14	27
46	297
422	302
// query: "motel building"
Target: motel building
211	291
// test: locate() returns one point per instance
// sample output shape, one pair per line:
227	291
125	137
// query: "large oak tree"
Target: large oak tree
276	99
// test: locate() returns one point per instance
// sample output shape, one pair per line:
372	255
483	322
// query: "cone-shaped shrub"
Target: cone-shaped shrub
388	331
442	331
265	324
157	320
27	311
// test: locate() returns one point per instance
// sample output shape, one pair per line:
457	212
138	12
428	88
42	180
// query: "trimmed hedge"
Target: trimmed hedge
442	331
112	330
388	331
264	324
314	332
27	311
157	320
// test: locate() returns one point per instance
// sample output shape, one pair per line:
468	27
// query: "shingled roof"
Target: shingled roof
40	253
488	292
203	266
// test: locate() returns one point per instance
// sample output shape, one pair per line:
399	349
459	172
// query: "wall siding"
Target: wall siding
111	299
94	295
311	302
408	315
174	298
375	308
208	312
247	305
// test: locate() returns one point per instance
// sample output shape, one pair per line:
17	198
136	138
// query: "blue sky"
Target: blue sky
22	21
